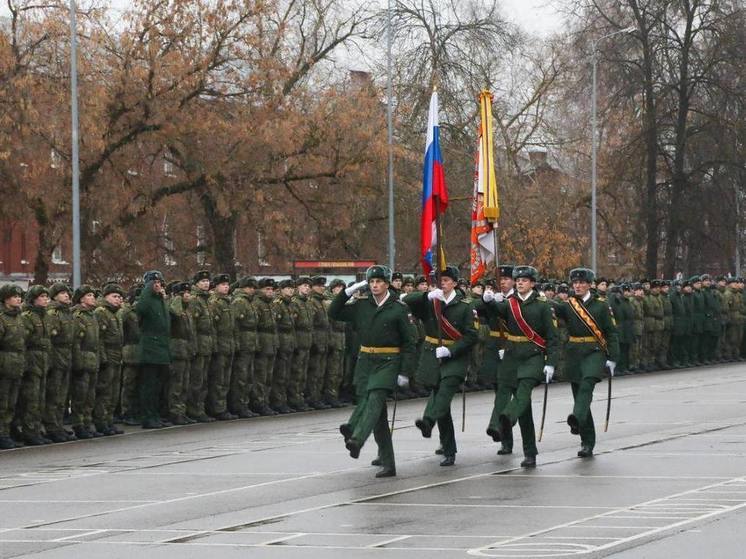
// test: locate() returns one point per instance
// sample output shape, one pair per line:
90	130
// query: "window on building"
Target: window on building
57	257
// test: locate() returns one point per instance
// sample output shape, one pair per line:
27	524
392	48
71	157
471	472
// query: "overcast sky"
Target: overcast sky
537	16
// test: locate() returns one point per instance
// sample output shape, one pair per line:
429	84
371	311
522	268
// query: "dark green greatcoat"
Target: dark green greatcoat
155	327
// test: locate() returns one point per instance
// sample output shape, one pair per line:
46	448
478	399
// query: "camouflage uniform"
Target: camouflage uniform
301	313
205	334
638	330
242	377
61	324
222	358
12	361
183	348
319	349
264	359
130	363
86	352
278	395
38	347
334	360
110	368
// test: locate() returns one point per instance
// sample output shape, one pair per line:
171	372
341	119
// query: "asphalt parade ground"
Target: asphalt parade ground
668	480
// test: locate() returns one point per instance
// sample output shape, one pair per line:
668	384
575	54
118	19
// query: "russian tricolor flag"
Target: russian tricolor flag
434	192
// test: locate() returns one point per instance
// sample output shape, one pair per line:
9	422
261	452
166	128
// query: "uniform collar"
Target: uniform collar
383	301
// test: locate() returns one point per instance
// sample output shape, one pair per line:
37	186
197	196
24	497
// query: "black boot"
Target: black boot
494	433
585	451
387	472
346	430
529	462
504	449
354	447
425	425
572	421
448	461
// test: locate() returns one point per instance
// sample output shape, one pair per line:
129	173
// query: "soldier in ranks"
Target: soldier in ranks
665	349
449	337
12	359
219	375
38	347
397	281
530	354
320	345
86	352
267	343
278	394
680	327
407	285
386	355
204	329
130	365
696	351
242	374
60	320
732	306
563	292
110	368
183	348
335	357
711	326
593	347
302	315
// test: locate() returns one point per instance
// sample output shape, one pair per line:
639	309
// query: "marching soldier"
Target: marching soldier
320	346
12	359
529	358
86	352
386	356
449	336
593	346
267	342
205	335
219	377
278	397
38	347
335	357
110	369
242	376
182	352
60	319
302	315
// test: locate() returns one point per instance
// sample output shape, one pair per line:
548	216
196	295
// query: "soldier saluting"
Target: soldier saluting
449	335
592	346
386	355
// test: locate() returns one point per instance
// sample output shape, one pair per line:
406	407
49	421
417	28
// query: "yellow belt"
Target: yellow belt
435	341
520	339
366	349
496	334
583	340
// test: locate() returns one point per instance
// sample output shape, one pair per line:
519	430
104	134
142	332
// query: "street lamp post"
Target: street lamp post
390	139
594	145
75	154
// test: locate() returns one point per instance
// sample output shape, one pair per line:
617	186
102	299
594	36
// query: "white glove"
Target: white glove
402	381
501	352
612	367
355	287
436	294
488	296
549	373
442	351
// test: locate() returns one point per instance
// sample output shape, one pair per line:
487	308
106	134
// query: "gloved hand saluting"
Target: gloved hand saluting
355	287
442	352
436	294
402	381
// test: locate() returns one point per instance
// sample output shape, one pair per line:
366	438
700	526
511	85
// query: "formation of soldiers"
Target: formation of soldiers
261	347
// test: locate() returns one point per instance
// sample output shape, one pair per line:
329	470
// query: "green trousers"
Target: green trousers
82	397
297	380
31	401
109	377
582	393
503	393
218	383
178	384
55	401
438	410
242	379
129	397
316	372
197	386
373	418
518	410
10	384
263	365
278	394
334	373
149	390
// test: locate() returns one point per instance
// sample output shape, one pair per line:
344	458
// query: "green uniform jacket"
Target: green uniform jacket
698	312
87	345
110	332
246	318
667	312
653	308
681	319
732	305
38	345
130	334
389	325
537	312
12	343
320	322
182	330
712	310
461	315
577	352
624	315
203	324
285	327
266	326
225	325
61	325
155	327
336	331
300	310
638	316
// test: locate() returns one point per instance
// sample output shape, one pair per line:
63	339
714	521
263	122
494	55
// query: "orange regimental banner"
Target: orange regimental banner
333	263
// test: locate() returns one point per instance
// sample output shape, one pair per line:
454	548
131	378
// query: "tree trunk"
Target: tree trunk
45	244
223	228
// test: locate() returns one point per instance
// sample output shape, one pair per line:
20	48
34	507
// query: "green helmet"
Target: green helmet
34	292
10	290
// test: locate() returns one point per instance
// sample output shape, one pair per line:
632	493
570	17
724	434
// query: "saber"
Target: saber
393	414
463	406
608	402
544	411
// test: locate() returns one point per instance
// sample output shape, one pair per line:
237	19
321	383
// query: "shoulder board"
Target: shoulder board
542	298
402	303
